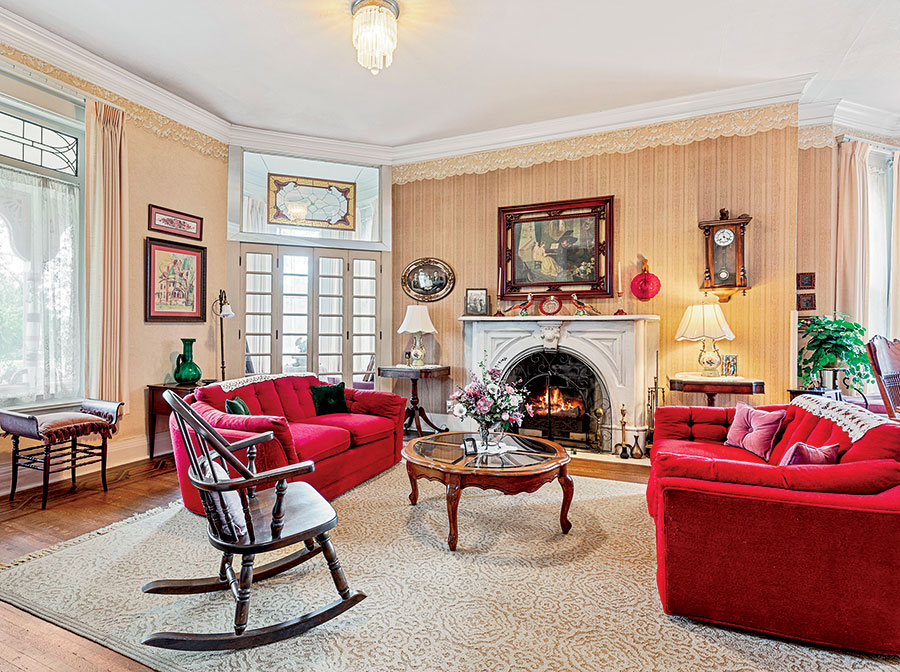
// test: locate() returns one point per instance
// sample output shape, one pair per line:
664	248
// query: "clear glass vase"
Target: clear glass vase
489	443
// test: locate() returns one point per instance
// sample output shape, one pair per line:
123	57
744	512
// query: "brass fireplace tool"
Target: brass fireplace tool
625	449
598	436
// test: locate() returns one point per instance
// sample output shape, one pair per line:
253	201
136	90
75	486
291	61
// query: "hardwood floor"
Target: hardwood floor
29	644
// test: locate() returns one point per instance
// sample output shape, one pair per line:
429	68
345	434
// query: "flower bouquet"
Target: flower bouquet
490	402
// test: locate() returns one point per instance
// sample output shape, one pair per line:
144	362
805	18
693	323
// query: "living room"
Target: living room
378	303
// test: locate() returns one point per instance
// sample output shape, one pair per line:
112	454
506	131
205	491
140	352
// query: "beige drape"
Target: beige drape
852	277
107	251
894	289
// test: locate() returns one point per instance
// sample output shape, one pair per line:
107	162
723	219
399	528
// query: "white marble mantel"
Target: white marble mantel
620	348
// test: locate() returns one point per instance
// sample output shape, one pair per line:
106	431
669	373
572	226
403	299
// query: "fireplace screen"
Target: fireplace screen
569	400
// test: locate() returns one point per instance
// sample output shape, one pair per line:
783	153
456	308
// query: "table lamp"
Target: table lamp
417	322
222	309
701	322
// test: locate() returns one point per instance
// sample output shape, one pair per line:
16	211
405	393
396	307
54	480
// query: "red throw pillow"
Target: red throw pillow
803	453
754	430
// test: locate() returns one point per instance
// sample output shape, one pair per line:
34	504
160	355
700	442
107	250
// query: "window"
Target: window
311	310
880	200
41	260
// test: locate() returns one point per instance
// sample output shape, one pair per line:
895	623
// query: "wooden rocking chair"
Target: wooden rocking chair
884	356
242	522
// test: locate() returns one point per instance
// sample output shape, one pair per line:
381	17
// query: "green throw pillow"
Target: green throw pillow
329	399
236	406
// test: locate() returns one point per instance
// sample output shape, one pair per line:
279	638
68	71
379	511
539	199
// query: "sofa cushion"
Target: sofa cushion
329	399
803	453
295	396
710	449
861	478
318	443
236	406
754	430
363	428
260	396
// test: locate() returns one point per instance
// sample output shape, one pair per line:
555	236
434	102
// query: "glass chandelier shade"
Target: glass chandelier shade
375	32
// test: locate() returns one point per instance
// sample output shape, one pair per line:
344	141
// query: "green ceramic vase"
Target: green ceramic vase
186	371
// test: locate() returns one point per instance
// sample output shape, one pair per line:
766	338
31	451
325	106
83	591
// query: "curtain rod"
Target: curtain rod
880	145
47	83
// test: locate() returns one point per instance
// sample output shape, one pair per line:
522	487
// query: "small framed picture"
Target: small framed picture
806	301
806	281
478	302
175	282
163	220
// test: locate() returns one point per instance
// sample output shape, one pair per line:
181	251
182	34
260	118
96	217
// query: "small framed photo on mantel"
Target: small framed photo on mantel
478	302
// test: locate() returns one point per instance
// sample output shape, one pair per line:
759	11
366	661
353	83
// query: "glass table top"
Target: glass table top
513	450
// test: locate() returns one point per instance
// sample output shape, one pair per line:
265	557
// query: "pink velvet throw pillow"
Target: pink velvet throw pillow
754	430
803	453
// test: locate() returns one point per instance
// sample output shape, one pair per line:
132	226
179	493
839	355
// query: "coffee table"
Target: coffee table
524	465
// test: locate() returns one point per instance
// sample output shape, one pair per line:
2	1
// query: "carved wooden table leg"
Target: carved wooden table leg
452	505
568	488
413	485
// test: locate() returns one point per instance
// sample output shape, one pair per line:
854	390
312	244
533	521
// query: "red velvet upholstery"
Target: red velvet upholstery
348	448
805	551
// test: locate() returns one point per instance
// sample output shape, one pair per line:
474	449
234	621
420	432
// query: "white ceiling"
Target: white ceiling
466	66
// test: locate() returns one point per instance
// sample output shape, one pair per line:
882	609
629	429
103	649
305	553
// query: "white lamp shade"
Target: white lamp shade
417	320
703	320
226	312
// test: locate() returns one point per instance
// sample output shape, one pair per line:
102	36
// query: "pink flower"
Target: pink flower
505	417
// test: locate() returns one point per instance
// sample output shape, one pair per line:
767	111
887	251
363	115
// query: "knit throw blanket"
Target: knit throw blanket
854	420
236	383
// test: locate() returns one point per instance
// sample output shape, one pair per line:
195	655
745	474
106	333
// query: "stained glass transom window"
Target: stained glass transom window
38	145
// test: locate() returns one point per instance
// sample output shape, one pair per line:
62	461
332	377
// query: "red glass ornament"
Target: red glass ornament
645	285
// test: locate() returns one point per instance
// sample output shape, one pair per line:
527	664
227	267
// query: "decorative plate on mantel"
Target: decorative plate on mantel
550	306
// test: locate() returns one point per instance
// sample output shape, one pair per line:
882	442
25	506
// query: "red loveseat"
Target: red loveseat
348	448
809	552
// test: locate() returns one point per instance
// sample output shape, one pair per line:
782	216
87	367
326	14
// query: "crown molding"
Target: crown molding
869	119
327	149
817	114
697	105
46	46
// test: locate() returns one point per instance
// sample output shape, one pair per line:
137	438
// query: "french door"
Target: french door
312	310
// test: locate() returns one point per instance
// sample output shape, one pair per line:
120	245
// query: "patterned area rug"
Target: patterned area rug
517	595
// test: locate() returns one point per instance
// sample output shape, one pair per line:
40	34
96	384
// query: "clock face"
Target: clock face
724	237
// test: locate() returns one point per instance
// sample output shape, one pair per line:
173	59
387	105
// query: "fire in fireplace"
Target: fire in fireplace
569	401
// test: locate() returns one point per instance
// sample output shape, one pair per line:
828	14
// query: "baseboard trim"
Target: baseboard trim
120	452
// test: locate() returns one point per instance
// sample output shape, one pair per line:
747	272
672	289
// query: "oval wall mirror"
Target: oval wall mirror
428	279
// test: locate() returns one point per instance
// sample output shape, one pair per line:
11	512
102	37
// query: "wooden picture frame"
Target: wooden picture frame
806	302
477	303
174	281
174	223
428	279
560	248
806	281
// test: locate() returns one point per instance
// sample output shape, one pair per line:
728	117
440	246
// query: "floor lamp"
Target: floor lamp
222	309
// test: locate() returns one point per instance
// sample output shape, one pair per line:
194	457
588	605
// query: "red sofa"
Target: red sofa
806	552
348	448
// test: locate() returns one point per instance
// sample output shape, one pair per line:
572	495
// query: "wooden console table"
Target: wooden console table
713	385
157	406
414	412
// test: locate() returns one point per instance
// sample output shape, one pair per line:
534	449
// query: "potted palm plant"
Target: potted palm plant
834	342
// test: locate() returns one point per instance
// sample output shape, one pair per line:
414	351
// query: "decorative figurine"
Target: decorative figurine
598	437
581	308
523	307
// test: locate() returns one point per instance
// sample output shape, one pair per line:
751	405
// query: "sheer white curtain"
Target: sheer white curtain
254	215
894	285
879	241
41	294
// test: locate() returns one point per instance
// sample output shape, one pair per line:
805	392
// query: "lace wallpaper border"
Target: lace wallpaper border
157	123
623	141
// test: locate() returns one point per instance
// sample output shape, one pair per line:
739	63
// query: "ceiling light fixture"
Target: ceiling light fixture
375	32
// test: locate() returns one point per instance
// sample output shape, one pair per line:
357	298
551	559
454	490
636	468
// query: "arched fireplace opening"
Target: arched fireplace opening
570	401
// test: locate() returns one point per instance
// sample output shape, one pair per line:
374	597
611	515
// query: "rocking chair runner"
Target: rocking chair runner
242	522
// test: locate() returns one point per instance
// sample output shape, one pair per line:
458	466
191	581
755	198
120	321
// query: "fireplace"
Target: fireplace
569	400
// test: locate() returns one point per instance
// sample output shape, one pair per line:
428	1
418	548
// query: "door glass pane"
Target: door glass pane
293	364
258	319
365	285
295	344
331	266
329	345
294	306
330	325
331	315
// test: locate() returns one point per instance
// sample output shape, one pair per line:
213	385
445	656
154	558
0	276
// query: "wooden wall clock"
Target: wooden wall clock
726	271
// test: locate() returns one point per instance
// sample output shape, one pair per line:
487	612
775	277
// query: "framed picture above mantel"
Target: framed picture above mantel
556	248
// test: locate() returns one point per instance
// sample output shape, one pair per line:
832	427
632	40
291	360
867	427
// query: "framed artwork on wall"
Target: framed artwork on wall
806	281
478	302
806	301
306	201
560	247
164	220
428	279
174	281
